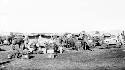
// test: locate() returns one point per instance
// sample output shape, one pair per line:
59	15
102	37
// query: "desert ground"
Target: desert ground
98	59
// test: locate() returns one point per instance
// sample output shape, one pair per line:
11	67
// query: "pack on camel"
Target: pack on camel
17	41
6	40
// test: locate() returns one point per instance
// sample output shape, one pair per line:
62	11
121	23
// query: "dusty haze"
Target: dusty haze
61	15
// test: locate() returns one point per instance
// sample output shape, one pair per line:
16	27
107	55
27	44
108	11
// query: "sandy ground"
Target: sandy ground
99	59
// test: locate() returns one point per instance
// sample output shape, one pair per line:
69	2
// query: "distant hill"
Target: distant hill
114	32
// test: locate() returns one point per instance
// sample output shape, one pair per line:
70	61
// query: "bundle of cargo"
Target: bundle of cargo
42	50
25	54
6	42
50	49
50	53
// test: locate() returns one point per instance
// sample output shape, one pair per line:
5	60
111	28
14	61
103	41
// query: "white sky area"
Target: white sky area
52	16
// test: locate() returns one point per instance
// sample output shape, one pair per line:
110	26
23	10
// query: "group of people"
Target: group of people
40	44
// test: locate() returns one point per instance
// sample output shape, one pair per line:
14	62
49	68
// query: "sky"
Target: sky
57	16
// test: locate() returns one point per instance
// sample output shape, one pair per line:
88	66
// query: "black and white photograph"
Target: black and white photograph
62	34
